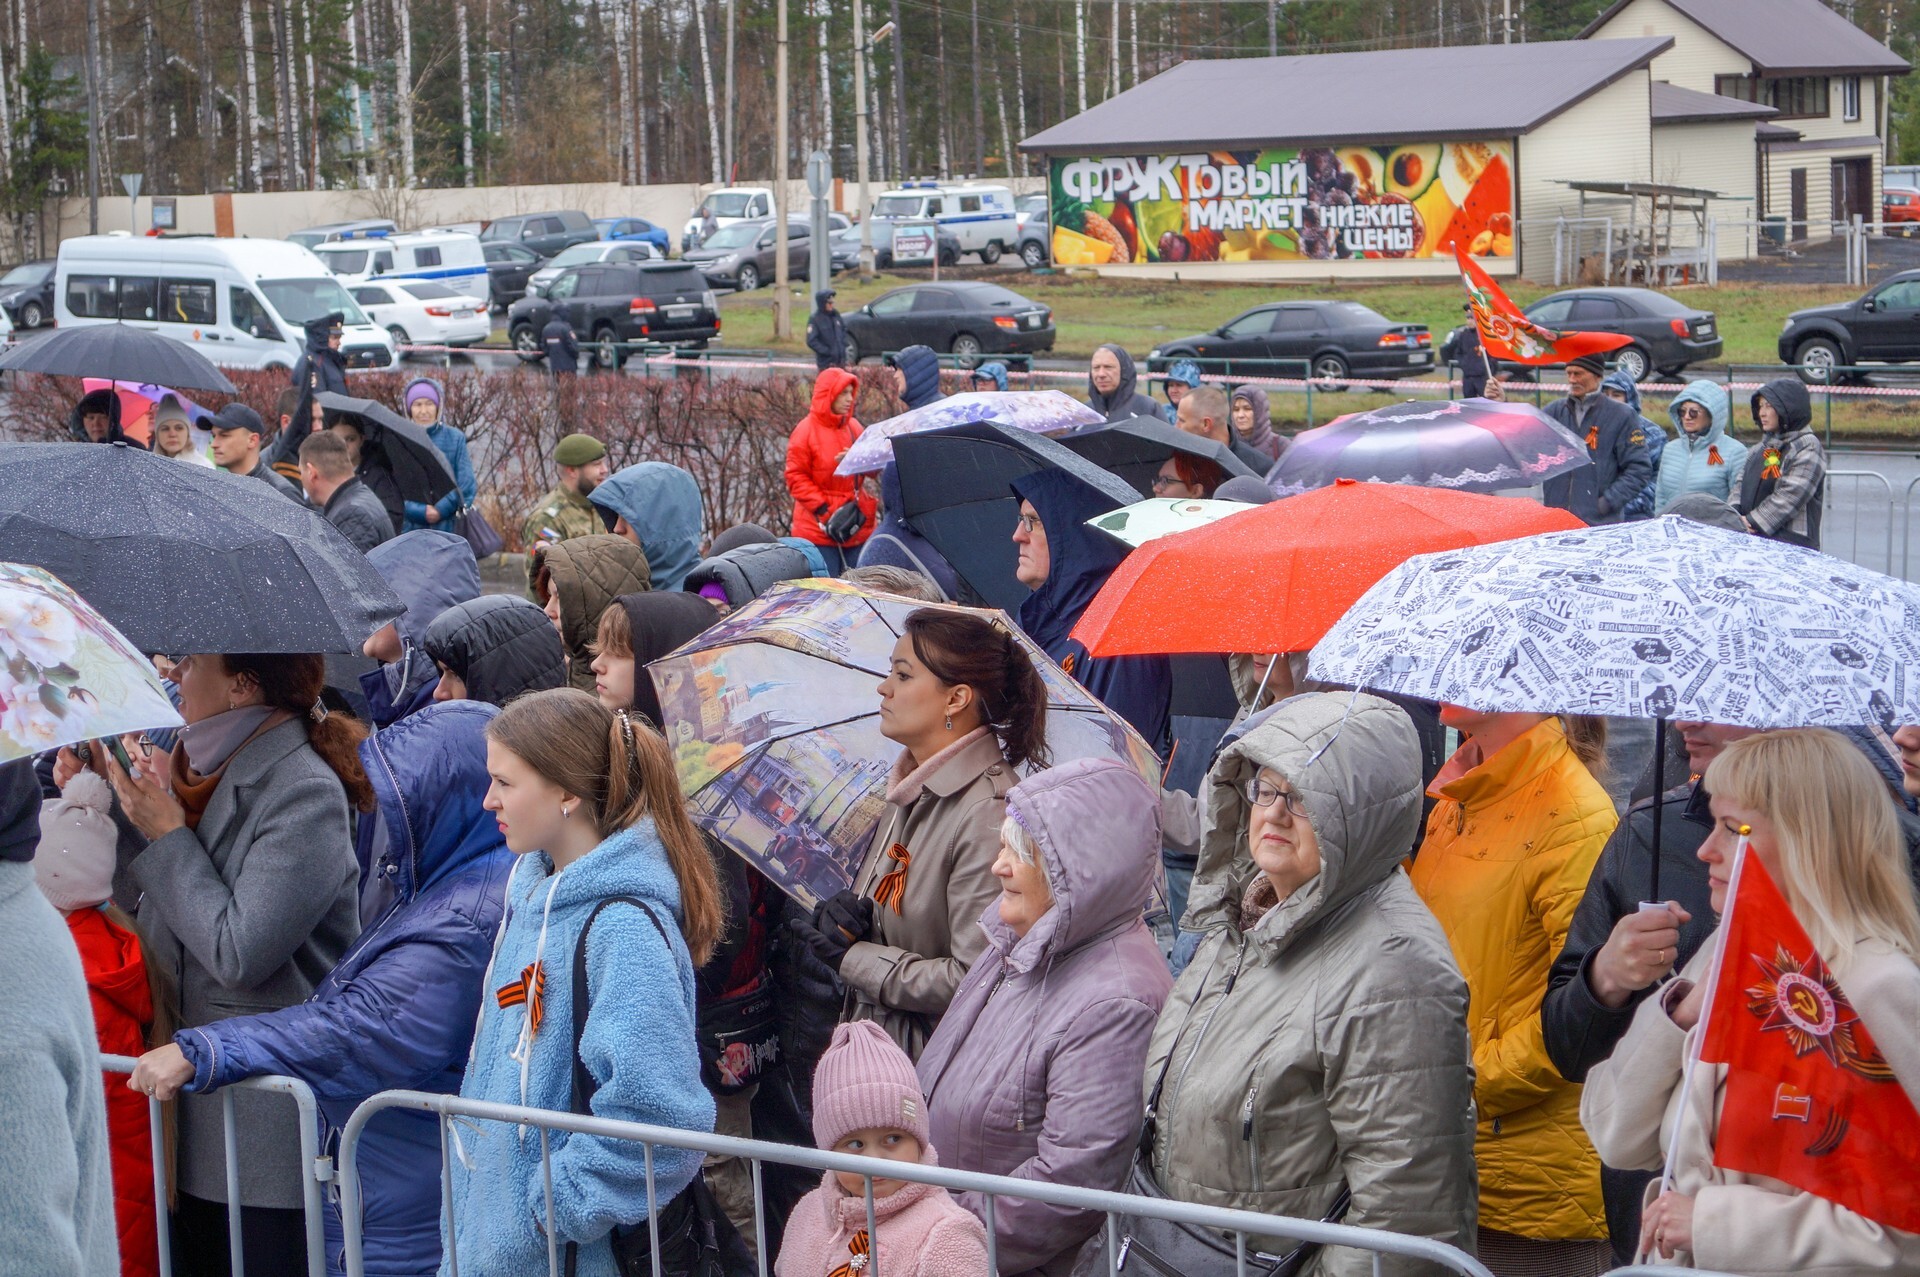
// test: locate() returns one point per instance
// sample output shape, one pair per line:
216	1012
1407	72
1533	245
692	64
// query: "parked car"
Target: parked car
1881	326
26	293
509	266
424	312
548	234
327	232
634	228
1030	216
1335	338
1900	207
600	250
728	205
1668	335
650	301
741	256
846	247
967	318
453	258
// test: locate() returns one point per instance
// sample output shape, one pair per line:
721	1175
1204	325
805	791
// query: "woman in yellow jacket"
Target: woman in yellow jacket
1518	824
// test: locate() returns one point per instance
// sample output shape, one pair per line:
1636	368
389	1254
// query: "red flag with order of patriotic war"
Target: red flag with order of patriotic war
1508	335
1809	1100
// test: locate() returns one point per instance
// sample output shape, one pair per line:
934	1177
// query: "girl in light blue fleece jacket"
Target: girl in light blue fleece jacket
1702	456
588	801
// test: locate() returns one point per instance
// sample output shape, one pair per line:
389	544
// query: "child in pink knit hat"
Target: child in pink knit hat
866	1100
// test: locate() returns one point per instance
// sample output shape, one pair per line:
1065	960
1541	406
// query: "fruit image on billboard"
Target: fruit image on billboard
1315	203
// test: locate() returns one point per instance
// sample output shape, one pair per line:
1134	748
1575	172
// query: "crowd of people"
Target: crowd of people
1408	983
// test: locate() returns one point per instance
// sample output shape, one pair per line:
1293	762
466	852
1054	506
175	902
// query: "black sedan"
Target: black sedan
967	318
1334	338
1667	335
508	268
26	292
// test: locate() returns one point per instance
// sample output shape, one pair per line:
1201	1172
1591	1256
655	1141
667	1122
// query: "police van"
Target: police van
452	258
980	217
242	303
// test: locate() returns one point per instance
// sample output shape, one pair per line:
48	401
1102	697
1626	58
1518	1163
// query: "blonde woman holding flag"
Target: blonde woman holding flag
1832	1003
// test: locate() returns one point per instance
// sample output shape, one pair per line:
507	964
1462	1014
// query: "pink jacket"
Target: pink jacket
923	1233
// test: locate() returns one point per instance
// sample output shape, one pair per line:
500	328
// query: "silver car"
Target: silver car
600	250
740	256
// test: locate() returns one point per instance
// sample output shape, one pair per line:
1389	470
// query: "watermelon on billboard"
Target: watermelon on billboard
1317	203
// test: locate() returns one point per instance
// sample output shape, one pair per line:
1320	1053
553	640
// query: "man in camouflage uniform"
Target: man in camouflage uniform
565	512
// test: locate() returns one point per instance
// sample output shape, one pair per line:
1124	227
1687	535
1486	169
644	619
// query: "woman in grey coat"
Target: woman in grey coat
241	860
1318	1042
1031	1071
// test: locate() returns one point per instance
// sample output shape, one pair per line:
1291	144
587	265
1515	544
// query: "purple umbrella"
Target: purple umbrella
1472	445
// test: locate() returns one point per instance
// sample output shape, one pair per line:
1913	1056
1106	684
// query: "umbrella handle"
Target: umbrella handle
1659	791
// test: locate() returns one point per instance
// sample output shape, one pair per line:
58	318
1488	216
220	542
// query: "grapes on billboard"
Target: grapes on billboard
1316	203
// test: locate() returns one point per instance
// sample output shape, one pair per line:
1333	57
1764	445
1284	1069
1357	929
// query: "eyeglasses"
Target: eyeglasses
1265	794
1161	482
1692	410
1031	522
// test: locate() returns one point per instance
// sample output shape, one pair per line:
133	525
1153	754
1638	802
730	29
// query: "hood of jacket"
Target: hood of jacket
826	388
661	503
500	646
920	370
660	621
993	371
1096	826
1355	761
1711	396
629	862
1626	385
78	430
1122	393
431	571
588	573
1080	559
748	571
429	775
115	969
1260	433
821	298
317	330
1788	395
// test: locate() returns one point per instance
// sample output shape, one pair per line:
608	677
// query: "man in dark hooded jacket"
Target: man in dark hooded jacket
494	648
1112	386
1616	443
431	571
1065	562
826	333
560	343
919	370
96	419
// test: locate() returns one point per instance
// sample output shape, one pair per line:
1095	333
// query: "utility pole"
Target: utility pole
782	303
93	117
732	6
1506	20
861	46
899	91
1273	27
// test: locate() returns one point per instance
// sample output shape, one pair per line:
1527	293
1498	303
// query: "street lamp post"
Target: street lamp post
782	303
863	45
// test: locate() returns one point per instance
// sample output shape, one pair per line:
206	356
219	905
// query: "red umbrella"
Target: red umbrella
1277	577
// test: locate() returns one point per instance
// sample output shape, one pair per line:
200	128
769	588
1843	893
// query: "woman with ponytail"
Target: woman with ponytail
968	709
1512	840
613	897
243	871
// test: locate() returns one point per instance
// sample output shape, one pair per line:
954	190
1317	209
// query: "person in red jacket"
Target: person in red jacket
74	869
819	495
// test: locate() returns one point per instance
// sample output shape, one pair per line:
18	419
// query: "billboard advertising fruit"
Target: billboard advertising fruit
1317	203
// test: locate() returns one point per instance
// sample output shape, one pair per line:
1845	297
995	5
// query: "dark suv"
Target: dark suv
544	233
665	302
1881	326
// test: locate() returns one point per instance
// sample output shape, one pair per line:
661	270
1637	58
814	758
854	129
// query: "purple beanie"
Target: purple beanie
865	1081
420	388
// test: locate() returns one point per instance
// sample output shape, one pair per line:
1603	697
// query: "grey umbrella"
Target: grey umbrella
418	466
186	559
1136	448
120	353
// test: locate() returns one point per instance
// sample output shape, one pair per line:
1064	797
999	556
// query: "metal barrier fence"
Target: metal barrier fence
1872	501
1239	1223
318	1169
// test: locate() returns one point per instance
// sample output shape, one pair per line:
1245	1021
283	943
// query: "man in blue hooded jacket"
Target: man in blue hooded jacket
657	507
919	370
1065	562
1620	388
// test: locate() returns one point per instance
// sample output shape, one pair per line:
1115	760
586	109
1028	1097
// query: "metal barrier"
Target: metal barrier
1860	478
1237	1222
319	1169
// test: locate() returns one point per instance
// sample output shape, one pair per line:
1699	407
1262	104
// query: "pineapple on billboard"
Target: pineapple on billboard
1317	203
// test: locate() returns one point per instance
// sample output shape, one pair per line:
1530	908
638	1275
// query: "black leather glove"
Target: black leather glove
847	915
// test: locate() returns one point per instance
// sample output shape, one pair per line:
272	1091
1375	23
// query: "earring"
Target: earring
949	722
564	813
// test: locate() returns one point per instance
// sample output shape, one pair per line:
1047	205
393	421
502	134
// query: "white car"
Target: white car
421	312
600	250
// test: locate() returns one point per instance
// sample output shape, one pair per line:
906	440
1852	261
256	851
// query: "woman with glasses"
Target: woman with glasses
1193	478
1703	457
1313	1059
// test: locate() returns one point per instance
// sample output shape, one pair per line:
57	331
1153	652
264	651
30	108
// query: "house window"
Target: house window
1850	98
1796	97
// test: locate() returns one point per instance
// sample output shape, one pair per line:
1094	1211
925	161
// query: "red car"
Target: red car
1899	205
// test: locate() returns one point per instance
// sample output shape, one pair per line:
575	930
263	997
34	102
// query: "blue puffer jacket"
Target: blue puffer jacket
638	1045
920	369
1643	505
1709	462
398	1011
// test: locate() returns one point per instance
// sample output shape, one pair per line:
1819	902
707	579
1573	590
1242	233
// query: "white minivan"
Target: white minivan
240	302
982	218
728	205
451	258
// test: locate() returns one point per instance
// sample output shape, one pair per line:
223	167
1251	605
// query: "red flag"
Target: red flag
1809	1100
1508	335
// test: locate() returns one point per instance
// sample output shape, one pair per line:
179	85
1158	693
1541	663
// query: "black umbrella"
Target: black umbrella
1136	448
418	466
955	489
120	353
184	558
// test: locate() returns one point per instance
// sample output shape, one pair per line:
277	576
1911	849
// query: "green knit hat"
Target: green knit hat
579	450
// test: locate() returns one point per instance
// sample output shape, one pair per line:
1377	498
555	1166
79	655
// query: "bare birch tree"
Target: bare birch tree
706	69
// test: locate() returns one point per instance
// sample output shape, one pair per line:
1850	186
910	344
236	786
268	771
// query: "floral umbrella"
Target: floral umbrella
1471	445
774	721
1044	412
68	674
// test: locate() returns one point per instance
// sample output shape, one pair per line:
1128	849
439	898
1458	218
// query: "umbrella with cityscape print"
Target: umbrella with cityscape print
773	716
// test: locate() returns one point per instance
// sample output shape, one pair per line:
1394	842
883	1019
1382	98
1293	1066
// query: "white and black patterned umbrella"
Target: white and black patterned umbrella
1666	619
